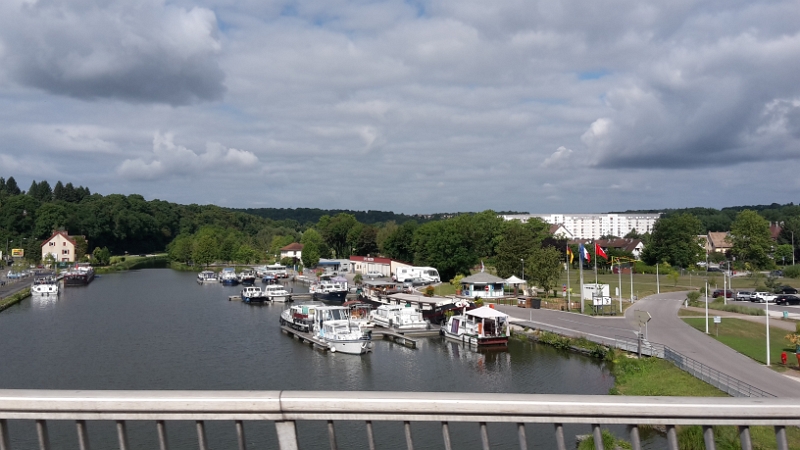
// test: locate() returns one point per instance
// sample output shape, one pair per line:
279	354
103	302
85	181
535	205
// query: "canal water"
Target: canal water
159	329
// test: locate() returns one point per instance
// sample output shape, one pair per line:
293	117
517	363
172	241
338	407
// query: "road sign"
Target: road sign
17	252
717	319
642	317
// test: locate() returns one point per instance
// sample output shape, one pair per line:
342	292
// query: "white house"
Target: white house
483	285
61	245
293	250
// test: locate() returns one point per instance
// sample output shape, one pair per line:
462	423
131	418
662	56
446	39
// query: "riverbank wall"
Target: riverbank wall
15	298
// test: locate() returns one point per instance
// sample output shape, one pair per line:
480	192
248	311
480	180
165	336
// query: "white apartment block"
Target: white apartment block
593	226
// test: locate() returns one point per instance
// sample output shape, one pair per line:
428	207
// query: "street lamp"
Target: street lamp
523	267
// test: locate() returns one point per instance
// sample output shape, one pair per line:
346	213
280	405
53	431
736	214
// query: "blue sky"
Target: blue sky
416	107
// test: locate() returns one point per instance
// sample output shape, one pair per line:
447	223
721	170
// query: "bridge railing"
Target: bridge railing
286	409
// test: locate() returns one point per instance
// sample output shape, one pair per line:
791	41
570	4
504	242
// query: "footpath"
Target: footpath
667	328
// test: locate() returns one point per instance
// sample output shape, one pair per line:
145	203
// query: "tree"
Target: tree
101	256
751	239
311	241
445	245
545	268
675	240
205	249
180	249
517	242
783	253
81	247
335	230
399	244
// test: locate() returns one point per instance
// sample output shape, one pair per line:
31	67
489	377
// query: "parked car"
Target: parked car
375	274
763	297
719	293
787	290
743	295
787	299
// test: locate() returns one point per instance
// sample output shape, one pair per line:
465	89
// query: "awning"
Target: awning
485	312
514	280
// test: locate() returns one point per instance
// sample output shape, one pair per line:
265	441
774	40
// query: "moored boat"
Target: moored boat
247	277
332	325
80	275
253	294
400	317
276	293
45	286
329	290
207	276
228	277
480	327
301	316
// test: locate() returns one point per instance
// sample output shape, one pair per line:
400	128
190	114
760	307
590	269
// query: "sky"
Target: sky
406	106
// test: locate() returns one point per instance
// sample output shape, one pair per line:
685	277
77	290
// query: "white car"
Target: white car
375	274
743	295
764	297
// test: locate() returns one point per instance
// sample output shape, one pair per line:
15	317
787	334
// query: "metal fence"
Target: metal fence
728	384
287	409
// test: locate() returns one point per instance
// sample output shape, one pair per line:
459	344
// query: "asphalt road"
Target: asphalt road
665	328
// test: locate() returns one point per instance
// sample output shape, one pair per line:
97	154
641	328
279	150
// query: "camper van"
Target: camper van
428	274
277	270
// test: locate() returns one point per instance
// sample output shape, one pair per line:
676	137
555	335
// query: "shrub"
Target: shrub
693	297
429	291
791	272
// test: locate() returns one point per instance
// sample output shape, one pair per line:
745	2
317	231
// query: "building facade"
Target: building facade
61	245
593	226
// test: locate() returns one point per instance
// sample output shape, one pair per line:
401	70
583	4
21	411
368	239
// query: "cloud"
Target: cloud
170	159
559	158
143	51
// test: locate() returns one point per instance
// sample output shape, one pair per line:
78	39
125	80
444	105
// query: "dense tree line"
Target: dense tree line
129	223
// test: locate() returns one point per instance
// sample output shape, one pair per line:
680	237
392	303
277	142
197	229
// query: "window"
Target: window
66	251
52	244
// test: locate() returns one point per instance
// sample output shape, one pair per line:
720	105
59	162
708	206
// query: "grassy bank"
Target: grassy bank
657	377
15	298
121	263
749	338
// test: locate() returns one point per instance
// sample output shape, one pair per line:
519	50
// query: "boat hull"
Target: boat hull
279	298
477	341
78	280
350	347
334	296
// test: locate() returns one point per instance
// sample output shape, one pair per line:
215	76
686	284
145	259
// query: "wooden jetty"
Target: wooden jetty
304	337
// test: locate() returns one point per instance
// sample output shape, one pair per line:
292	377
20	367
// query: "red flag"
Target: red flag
599	251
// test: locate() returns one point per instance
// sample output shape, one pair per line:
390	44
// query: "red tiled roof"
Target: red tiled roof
294	246
63	233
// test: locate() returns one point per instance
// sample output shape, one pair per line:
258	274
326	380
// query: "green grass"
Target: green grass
749	338
120	263
653	376
14	299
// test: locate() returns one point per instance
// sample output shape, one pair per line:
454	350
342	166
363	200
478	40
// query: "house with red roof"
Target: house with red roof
61	245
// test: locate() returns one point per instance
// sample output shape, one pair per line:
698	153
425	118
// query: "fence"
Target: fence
286	409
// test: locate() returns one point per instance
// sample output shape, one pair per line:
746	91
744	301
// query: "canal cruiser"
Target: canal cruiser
247	277
301	316
276	293
480	327
80	275
433	308
400	317
228	277
45	286
207	276
253	294
334	290
332	325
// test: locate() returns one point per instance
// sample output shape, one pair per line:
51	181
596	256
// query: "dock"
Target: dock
304	337
404	337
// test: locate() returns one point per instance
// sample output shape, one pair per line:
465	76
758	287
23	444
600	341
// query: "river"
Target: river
159	329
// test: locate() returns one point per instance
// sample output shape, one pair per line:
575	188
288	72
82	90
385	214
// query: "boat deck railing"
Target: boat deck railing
286	409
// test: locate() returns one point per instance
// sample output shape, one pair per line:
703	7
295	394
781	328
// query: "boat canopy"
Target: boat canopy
485	312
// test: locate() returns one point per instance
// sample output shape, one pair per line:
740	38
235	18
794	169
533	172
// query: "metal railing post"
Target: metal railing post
446	436
672	438
122	435
708	437
780	437
287	435
560	444
4	439
83	435
44	438
523	440
744	438
597	434
161	427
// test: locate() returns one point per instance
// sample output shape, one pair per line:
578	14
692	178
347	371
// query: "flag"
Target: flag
584	253
599	251
570	255
482	267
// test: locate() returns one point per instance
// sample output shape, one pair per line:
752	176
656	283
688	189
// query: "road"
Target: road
668	329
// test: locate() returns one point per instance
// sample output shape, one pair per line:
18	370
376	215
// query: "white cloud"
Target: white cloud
559	158
170	159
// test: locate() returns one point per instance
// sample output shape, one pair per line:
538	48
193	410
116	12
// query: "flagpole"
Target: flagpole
580	287
595	267
569	286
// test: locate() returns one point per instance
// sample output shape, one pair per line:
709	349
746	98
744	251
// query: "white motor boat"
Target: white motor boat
332	324
329	290
207	276
301	316
400	317
478	327
253	294
228	277
45	287
276	293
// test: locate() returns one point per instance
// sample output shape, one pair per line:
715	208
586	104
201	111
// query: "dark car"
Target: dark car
787	299
718	293
787	290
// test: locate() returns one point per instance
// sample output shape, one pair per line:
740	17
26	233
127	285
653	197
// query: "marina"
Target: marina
159	329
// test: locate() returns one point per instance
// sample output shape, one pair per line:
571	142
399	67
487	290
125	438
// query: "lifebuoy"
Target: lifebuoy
486	288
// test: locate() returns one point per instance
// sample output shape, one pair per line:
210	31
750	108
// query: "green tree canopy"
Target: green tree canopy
751	239
675	240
